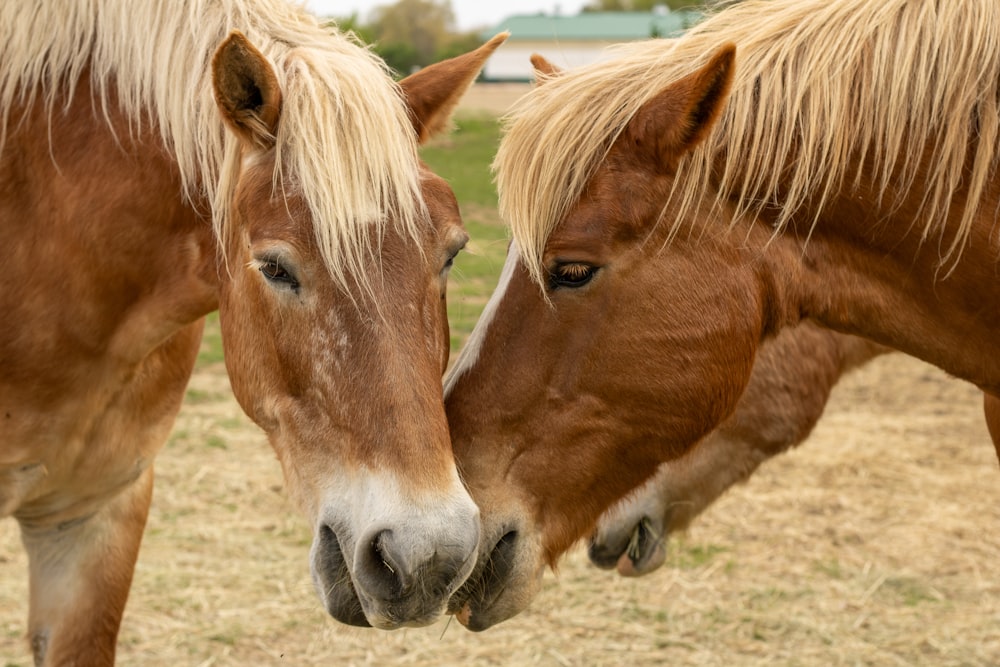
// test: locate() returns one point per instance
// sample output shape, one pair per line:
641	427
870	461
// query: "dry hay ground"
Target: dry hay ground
874	543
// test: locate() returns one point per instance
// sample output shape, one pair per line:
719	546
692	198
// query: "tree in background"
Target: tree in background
353	24
410	34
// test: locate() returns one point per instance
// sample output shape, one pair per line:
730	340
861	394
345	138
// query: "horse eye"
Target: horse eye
451	259
277	274
571	275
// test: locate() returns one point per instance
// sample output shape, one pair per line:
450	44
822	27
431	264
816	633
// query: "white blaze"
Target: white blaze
469	355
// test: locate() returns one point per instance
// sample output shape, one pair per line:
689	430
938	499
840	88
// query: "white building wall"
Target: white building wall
512	60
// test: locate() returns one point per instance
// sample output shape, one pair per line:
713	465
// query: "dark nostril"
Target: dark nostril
385	574
333	581
329	555
604	556
642	542
389	572
505	546
501	560
604	551
483	589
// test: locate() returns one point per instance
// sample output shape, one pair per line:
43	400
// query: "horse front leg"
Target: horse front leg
991	404
80	573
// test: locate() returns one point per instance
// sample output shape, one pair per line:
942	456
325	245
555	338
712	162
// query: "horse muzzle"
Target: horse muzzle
634	552
392	576
505	580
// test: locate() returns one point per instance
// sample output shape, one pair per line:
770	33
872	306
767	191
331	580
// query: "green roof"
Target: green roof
606	26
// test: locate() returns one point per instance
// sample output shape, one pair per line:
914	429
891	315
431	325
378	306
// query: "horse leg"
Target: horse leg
80	573
991	404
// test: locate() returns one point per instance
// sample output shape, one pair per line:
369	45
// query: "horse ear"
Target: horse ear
544	70
434	91
680	116
246	90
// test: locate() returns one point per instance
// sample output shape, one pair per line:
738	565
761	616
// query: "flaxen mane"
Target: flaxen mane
825	84
344	138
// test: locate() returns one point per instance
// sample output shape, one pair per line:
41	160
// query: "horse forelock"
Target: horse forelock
344	141
819	85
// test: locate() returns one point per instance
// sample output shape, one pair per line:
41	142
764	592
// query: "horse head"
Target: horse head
586	334
334	327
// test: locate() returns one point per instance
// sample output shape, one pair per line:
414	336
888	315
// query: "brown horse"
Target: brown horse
159	160
787	392
660	234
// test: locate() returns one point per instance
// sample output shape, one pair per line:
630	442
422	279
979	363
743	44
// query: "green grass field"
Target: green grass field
463	159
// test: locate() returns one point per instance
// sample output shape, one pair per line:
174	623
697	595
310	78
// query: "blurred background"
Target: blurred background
410	34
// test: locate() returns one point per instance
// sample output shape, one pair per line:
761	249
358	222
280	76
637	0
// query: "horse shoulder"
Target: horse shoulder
108	274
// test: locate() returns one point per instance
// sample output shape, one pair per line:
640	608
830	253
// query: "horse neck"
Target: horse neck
865	271
107	194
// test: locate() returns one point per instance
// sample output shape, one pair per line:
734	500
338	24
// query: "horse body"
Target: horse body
791	382
101	342
117	290
673	208
864	272
148	178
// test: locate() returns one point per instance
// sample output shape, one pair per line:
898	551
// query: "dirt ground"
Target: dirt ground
875	543
492	98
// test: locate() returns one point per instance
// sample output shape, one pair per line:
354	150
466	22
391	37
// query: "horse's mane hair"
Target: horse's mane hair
344	139
820	87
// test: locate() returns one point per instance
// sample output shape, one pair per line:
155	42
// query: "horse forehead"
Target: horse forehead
284	215
256	179
632	189
440	199
617	205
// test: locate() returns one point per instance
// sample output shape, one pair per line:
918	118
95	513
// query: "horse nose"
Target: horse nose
408	575
604	554
474	605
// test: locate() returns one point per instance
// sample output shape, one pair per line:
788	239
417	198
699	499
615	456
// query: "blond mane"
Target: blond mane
344	139
821	84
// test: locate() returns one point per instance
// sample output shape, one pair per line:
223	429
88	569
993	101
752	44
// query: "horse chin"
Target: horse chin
502	585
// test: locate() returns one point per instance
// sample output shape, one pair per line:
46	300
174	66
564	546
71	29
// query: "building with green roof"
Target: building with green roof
572	41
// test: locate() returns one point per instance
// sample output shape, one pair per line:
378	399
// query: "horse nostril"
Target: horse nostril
332	581
329	555
643	540
604	555
385	574
501	560
390	571
482	590
506	543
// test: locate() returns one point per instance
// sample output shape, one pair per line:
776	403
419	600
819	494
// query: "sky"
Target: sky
469	14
